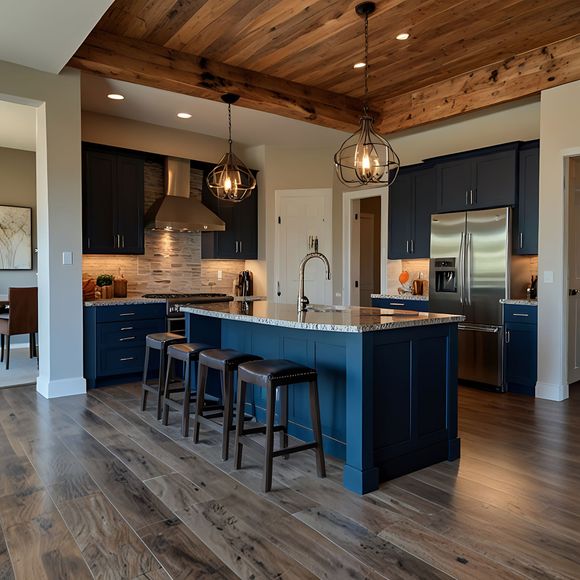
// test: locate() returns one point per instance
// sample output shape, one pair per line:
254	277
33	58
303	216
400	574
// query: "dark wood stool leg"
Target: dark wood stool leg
317	429
240	422
30	347
34	345
145	372
268	455
228	388
7	351
284	417
162	367
201	382
170	363
186	400
2	342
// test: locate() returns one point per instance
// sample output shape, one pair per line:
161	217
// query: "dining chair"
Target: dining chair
22	318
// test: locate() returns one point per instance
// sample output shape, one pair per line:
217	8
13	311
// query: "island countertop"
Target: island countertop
322	318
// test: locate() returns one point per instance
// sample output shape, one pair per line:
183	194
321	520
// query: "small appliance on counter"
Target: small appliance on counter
120	286
245	285
532	289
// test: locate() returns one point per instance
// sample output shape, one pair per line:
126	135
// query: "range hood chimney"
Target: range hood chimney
176	211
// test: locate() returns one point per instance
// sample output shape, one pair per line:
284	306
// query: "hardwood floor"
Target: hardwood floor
90	487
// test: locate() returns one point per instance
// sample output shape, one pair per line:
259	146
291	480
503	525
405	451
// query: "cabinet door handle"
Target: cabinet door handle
127	314
237	246
127	328
521	240
519	314
125	358
127	338
466	197
507	336
412	246
114	241
241	246
123	240
408	247
88	242
474	196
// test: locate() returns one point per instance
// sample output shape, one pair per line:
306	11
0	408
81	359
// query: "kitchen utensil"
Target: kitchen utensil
418	287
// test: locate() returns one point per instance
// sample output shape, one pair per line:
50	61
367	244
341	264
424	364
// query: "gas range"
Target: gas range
174	300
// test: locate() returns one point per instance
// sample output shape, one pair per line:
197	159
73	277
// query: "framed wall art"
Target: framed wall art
15	238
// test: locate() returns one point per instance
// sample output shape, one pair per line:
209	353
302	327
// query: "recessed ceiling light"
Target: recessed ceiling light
359	65
403	36
115	97
184	115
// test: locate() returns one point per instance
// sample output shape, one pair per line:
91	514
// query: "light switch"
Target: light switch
548	277
67	258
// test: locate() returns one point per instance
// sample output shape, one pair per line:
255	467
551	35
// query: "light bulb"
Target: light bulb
227	184
367	163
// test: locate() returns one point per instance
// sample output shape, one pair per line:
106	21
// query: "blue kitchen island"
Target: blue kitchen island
387	379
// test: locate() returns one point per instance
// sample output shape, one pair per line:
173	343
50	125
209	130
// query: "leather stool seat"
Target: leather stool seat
185	351
159	340
275	372
227	358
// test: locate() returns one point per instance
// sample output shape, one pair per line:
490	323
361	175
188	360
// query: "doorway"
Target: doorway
303	220
573	317
364	245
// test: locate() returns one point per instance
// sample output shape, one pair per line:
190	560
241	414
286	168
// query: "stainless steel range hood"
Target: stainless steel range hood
177	211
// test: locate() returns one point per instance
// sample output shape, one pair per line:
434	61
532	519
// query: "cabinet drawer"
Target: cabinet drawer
129	312
397	304
127	333
119	361
520	314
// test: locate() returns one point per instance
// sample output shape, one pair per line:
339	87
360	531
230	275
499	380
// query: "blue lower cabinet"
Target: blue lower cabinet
114	341
401	304
521	350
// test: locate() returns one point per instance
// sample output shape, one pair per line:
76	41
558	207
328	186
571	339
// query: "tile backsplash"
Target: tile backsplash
172	261
414	267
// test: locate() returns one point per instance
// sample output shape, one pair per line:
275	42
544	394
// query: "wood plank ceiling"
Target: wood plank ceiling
295	57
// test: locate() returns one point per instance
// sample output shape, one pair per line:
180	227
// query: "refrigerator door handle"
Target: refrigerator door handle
468	269
480	328
461	270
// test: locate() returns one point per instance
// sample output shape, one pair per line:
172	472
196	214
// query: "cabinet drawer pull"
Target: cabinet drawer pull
126	358
396	304
127	338
127	314
127	328
519	314
521	240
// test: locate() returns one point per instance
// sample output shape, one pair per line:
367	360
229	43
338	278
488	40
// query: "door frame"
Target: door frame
279	194
347	198
566	155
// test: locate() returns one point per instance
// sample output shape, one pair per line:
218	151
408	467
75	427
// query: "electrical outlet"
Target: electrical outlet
220	274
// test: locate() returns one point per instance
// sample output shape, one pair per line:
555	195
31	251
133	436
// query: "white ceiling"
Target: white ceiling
44	34
17	126
208	117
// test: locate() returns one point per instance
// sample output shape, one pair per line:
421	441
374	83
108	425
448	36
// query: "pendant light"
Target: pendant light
230	179
365	158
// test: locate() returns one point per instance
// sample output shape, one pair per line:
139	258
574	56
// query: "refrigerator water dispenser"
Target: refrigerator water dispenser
445	274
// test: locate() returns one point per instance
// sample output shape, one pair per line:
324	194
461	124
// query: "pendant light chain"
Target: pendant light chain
230	126
366	97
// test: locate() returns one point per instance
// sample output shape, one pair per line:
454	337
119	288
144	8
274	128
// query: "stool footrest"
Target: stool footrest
294	449
261	429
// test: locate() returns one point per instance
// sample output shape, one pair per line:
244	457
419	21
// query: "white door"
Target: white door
367	258
574	270
301	217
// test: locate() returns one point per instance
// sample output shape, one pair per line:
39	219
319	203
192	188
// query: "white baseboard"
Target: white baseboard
551	391
61	387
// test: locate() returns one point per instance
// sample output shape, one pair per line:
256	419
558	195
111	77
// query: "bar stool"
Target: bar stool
226	361
158	341
188	354
273	375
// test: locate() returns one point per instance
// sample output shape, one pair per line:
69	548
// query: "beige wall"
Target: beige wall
559	136
18	187
56	99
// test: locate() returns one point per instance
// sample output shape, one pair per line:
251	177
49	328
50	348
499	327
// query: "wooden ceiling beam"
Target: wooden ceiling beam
520	76
148	64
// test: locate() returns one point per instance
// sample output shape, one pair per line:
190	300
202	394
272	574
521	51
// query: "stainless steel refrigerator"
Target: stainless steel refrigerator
469	274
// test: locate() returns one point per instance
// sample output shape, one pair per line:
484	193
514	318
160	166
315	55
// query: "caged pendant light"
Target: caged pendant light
366	158
230	179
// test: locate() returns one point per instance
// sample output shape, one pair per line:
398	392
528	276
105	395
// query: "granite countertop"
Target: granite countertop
400	296
124	301
519	301
249	298
326	318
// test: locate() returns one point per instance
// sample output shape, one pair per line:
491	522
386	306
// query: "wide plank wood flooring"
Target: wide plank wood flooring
90	487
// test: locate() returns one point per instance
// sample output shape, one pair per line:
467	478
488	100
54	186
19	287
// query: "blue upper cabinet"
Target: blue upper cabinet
113	200
477	180
526	218
411	203
240	239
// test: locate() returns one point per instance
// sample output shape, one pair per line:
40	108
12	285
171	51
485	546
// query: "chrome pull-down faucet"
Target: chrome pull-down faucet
302	299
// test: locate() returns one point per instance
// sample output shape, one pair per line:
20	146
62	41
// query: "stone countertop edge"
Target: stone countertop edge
123	301
519	301
249	298
422	319
400	296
